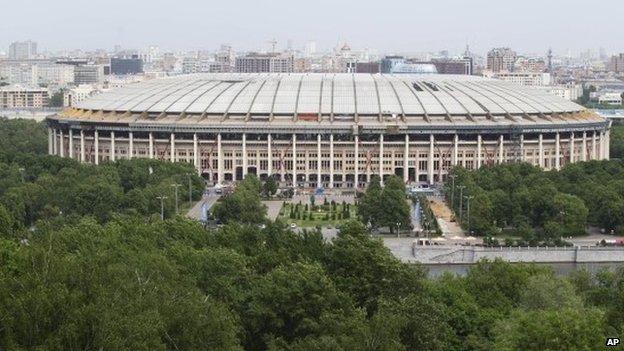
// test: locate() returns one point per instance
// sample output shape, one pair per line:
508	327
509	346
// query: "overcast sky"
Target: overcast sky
529	26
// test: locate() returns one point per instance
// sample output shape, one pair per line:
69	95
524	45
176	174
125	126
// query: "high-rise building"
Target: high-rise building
265	63
617	63
88	74
23	50
123	66
310	48
501	59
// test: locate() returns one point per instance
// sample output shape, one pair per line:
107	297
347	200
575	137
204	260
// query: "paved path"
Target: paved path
209	199
443	214
415	216
273	208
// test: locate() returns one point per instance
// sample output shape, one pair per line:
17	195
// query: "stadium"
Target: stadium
329	130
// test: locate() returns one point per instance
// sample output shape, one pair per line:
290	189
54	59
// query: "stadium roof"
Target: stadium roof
340	95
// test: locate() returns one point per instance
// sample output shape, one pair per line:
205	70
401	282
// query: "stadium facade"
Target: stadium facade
329	130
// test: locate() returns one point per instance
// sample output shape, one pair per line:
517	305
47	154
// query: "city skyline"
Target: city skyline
530	27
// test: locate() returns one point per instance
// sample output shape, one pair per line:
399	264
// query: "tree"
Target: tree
572	213
57	99
423	323
394	210
550	330
6	223
369	206
243	206
270	186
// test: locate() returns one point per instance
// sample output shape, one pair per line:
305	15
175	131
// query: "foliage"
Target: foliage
616	143
387	206
269	187
557	203
244	204
108	275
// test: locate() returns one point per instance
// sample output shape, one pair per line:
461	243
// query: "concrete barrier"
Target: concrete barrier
471	254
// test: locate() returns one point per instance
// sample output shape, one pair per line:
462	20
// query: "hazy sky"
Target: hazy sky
529	26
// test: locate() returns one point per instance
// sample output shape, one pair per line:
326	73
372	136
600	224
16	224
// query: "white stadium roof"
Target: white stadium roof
329	94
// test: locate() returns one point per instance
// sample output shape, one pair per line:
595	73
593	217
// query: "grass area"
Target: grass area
322	215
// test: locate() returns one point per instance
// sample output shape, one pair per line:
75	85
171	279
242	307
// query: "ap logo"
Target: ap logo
613	341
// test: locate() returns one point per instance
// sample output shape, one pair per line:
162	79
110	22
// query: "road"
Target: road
415	215
209	198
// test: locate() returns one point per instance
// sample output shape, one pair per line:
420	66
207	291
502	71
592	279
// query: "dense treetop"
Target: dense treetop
85	265
543	204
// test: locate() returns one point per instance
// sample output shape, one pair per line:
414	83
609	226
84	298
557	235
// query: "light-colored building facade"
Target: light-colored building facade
535	79
16	96
23	50
265	63
570	92
330	130
36	72
78	94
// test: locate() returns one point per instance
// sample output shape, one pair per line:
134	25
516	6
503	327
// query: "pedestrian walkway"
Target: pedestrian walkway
450	229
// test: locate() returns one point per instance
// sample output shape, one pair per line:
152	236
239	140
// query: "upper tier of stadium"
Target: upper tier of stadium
340	96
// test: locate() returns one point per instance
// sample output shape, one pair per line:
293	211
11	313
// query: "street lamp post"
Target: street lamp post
190	189
162	206
453	190
461	204
176	186
468	210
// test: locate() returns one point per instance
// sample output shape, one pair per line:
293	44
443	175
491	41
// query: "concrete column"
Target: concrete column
96	141
357	161
151	145
430	160
54	143
196	155
244	141
82	146
521	147
50	141
501	149
381	158
541	150
62	144
593	154
219	160
130	145
601	141
71	143
557	151
294	159
319	183
269	155
172	153
455	149
607	143
479	158
571	147
584	147
331	161
406	160
112	146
